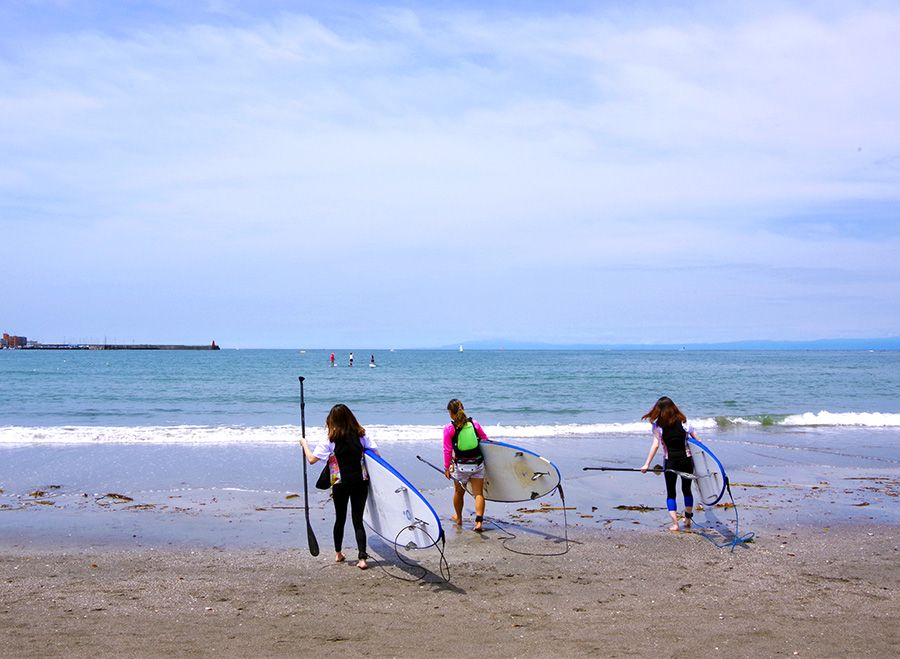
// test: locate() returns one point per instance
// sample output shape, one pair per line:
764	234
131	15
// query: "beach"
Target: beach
151	551
809	592
152	504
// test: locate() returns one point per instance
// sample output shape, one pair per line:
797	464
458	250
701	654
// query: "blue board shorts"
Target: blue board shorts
462	472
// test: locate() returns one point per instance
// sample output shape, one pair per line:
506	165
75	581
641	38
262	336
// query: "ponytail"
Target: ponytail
457	413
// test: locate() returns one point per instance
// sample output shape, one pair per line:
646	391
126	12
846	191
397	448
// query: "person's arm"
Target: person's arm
448	448
653	447
369	443
310	456
479	431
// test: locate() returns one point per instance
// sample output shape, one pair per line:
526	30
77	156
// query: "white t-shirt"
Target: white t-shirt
325	448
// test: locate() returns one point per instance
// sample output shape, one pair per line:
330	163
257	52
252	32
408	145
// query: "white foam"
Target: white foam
27	435
24	435
288	434
825	418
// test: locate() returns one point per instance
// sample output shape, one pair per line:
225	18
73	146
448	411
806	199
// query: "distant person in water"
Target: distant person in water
671	431
463	460
351	360
372	360
343	449
332	360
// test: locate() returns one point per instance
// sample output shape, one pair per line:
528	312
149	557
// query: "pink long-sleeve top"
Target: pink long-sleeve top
449	431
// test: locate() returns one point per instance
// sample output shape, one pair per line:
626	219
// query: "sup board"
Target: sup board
396	510
709	472
512	473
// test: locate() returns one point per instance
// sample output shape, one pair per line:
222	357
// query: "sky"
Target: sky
358	174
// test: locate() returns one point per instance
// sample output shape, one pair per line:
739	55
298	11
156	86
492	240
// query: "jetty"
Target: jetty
114	346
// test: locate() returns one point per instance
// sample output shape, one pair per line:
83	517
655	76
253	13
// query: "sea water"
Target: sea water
253	396
798	431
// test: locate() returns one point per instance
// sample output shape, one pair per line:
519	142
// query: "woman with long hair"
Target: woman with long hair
343	449
463	461
671	431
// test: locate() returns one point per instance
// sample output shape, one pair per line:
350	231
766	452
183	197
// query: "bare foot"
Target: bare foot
362	565
687	524
339	557
674	527
478	527
456	520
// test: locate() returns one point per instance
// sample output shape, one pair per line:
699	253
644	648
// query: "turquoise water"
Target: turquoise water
253	395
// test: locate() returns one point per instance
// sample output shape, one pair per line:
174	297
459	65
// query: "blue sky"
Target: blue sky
276	174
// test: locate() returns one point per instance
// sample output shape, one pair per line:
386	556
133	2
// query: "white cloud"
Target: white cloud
539	144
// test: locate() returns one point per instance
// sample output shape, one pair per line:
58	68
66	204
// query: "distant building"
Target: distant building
12	341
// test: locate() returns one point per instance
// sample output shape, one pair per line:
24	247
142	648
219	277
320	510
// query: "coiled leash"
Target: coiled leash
512	536
442	563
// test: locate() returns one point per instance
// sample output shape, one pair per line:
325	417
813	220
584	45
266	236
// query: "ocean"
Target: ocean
252	396
809	437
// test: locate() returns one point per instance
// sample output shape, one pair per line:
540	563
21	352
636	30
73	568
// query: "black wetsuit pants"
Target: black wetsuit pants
355	494
686	465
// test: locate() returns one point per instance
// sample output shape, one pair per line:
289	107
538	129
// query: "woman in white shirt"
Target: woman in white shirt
343	449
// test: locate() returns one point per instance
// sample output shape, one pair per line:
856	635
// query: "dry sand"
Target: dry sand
804	592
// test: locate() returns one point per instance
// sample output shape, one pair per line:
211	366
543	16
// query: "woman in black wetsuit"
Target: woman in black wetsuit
343	448
671	431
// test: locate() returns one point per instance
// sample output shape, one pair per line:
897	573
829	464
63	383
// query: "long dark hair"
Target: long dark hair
665	413
341	424
457	412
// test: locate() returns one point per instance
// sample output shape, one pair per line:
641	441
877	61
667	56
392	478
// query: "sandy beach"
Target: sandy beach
182	570
812	592
124	550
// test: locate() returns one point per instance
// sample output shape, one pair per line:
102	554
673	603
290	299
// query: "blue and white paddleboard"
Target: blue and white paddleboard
710	474
396	510
512	473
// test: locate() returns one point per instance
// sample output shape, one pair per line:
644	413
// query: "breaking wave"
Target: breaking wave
285	434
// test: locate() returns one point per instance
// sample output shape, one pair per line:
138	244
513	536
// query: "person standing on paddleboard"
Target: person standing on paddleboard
671	431
343	449
463	461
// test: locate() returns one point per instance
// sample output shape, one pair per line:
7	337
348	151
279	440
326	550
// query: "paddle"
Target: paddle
433	466
310	534
656	469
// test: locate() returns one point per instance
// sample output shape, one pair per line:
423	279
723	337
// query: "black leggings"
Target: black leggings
679	464
356	494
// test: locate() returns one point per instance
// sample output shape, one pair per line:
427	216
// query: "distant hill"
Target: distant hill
889	343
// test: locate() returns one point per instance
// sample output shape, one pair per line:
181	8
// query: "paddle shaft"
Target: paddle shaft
655	470
310	534
433	466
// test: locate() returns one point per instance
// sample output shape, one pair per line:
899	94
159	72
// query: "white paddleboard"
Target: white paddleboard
396	510
709	472
512	473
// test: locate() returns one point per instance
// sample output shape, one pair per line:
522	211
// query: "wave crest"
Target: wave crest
286	434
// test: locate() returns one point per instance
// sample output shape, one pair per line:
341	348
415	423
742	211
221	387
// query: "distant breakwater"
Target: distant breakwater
106	346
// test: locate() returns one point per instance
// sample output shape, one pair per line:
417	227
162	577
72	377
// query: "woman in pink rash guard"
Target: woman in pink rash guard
463	460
